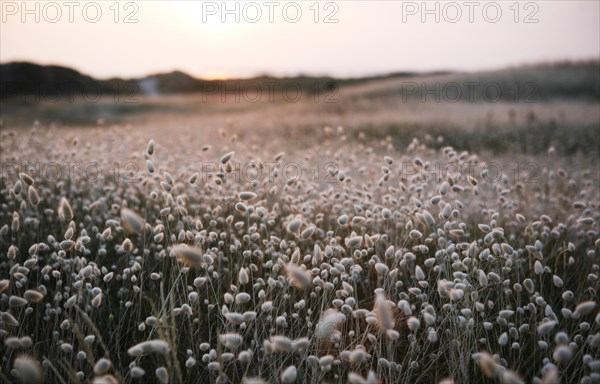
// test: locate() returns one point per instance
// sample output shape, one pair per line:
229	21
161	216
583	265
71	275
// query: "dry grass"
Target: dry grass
367	275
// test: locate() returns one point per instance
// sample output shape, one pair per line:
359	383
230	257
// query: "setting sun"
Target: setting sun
216	75
287	39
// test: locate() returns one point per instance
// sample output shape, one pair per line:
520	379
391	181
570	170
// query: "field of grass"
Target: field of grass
367	240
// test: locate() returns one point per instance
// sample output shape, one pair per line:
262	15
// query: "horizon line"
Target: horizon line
258	74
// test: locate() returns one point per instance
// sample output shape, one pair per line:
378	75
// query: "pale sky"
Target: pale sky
369	37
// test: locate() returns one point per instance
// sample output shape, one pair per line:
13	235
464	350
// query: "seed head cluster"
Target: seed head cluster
379	276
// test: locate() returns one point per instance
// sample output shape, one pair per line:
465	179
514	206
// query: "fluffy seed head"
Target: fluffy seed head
298	277
289	375
147	347
65	212
131	221
29	369
188	256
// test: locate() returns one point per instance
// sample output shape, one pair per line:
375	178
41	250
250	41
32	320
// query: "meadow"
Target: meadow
374	239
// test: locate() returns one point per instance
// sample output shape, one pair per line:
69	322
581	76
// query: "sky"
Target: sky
341	38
